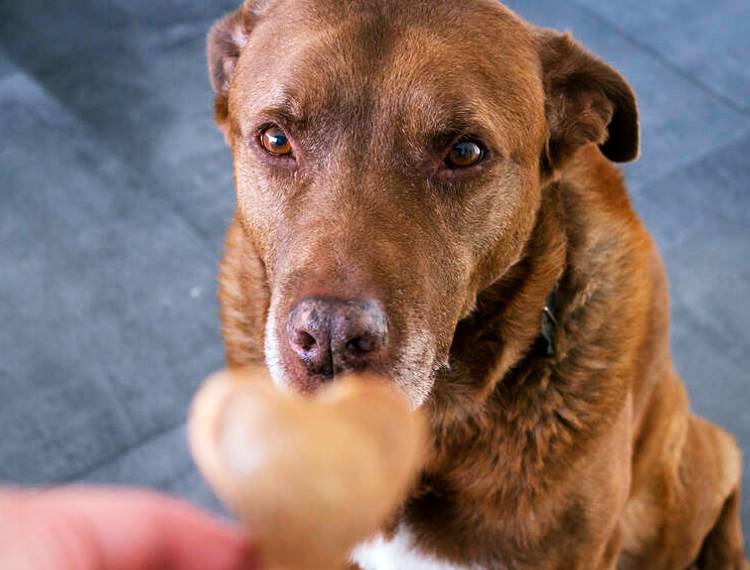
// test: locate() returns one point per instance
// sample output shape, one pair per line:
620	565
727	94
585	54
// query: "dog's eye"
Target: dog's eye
464	153
274	141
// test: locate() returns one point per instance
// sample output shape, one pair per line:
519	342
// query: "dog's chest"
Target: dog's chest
399	553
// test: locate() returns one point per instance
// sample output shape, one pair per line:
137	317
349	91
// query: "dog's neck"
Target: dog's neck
491	410
515	317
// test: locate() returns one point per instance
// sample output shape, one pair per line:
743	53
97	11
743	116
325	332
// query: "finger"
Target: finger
119	529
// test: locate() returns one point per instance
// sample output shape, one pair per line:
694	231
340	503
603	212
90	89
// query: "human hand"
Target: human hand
85	528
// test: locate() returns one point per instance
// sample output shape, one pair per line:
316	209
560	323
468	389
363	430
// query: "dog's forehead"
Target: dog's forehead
436	65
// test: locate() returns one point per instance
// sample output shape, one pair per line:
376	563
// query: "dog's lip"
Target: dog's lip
302	380
311	383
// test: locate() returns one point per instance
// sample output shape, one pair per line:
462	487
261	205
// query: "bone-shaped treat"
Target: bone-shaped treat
310	477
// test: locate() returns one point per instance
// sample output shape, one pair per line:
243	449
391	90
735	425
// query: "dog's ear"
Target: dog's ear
586	101
225	41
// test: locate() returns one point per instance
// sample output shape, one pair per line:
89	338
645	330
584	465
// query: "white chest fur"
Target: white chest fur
399	553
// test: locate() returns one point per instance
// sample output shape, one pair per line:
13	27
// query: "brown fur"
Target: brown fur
588	458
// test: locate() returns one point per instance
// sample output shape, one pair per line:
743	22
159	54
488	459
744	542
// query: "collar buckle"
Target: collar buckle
549	322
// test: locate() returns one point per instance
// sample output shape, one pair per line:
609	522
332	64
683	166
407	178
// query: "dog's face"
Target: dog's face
389	163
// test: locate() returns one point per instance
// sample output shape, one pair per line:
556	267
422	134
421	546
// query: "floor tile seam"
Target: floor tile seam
121	451
700	157
659	57
704	327
142	176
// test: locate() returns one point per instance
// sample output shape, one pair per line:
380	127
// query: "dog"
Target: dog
425	189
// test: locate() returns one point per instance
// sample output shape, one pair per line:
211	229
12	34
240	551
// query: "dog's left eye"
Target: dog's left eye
464	153
275	142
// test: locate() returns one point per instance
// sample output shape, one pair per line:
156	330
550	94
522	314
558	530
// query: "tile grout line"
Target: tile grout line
684	311
653	52
145	179
648	183
88	470
142	176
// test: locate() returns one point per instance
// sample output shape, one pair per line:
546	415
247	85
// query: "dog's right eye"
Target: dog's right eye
464	153
274	141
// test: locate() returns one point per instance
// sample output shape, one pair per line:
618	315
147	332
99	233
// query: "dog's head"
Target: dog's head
390	159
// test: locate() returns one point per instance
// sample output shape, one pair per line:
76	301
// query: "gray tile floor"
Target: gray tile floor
115	190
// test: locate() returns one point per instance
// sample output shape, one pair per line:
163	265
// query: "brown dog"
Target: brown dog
424	189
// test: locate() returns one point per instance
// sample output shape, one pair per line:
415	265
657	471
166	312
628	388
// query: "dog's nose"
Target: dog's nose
332	336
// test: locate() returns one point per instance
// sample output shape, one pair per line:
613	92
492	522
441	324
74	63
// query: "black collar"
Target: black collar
549	323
